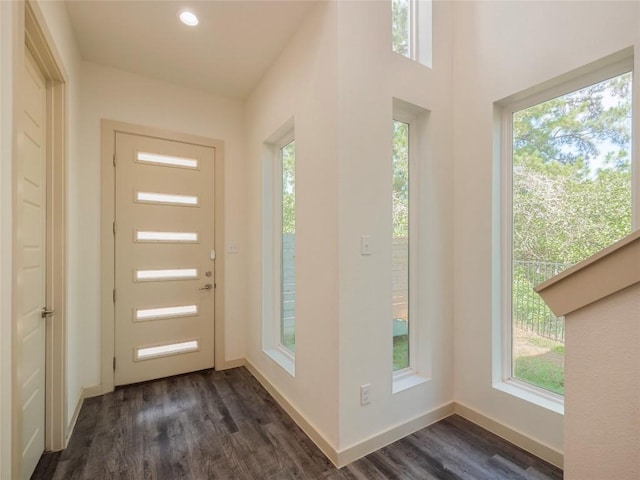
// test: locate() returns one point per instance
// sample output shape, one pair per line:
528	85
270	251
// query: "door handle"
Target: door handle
208	286
47	313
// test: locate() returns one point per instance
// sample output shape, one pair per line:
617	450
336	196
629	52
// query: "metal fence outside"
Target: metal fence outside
288	286
529	310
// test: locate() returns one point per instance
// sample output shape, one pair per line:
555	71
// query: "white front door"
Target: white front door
164	258
31	269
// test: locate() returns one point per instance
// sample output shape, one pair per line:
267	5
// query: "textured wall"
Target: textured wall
602	397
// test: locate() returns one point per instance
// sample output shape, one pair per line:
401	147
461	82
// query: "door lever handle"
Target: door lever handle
47	313
208	286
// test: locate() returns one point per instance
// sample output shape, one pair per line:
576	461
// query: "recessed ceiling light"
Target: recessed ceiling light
188	18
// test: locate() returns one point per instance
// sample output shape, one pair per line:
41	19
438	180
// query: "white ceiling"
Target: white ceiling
227	53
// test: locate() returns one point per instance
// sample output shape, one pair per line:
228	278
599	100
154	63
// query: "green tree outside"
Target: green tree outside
288	155
400	26
565	207
571	198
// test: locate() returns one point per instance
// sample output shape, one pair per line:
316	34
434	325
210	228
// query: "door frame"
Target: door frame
31	33
109	128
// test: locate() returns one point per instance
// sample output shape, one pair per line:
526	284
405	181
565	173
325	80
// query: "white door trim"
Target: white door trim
39	41
107	246
31	32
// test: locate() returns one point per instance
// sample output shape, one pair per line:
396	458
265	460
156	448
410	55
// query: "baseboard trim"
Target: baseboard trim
306	426
238	362
94	391
74	418
347	455
359	450
393	434
350	454
87	392
535	447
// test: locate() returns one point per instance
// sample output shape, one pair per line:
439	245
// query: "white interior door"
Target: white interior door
31	270
164	251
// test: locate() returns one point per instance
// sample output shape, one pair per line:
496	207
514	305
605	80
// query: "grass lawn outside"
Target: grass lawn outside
538	360
400	352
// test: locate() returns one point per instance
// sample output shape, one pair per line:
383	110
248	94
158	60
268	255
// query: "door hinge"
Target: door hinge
114	159
114	295
114	227
114	363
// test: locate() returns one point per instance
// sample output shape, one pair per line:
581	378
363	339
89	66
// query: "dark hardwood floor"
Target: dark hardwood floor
224	425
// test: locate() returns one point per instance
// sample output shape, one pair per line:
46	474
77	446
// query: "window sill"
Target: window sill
283	358
531	394
405	379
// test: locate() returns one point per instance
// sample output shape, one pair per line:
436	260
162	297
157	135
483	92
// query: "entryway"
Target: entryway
161	271
165	257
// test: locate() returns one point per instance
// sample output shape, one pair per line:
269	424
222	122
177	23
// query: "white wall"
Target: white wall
370	75
502	48
338	77
302	83
112	94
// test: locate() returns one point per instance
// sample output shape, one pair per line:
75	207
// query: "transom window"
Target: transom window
411	29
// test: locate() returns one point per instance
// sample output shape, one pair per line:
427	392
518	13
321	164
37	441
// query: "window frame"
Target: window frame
418	371
592	74
272	344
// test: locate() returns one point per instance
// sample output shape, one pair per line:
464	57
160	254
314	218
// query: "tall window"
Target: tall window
569	196
410	247
279	247
400	245
288	246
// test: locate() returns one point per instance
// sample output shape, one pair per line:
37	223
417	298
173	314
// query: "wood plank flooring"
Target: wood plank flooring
224	425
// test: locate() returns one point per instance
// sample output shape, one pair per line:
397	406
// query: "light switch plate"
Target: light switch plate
365	245
365	394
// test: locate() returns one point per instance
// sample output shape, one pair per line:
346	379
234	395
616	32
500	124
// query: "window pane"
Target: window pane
400	245
156	158
169	274
571	198
166	198
164	350
288	248
177	237
401	26
165	312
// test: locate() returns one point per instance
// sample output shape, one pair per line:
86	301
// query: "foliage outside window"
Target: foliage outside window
571	197
288	247
411	29
400	245
401	26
